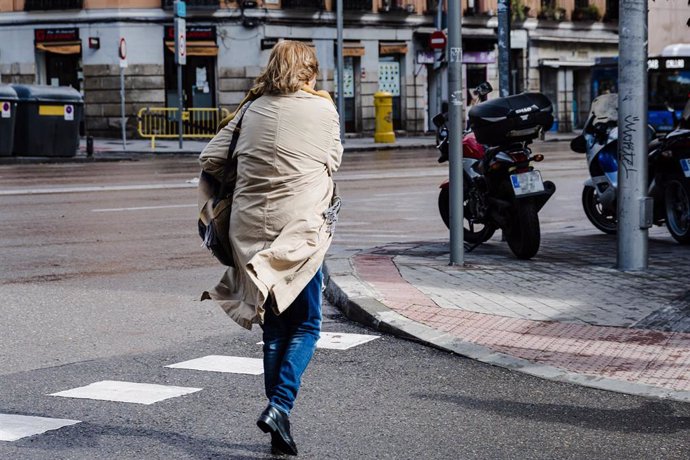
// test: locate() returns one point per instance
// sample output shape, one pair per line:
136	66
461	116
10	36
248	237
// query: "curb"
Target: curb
136	155
372	313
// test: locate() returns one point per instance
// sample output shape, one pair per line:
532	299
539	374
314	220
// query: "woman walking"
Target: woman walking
280	227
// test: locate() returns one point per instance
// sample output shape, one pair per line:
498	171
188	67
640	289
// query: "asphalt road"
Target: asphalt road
100	278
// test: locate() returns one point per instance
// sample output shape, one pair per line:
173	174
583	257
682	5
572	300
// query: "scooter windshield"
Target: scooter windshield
605	109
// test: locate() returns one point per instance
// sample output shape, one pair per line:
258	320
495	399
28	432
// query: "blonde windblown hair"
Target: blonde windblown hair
291	65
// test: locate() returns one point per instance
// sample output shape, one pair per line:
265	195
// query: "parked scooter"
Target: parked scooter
668	170
501	189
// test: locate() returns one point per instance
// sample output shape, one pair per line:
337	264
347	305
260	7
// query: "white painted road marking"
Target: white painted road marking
95	188
217	363
145	208
139	393
14	427
343	341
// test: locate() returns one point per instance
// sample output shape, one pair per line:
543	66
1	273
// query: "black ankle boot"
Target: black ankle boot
277	423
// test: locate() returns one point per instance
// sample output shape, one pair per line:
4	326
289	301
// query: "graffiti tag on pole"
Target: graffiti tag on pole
627	150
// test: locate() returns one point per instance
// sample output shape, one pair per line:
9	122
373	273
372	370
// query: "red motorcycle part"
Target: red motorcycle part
471	148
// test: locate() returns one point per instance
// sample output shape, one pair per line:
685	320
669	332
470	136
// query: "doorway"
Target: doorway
198	81
63	70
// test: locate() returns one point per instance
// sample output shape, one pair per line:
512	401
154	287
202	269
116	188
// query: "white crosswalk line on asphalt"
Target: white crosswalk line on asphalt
139	393
14	427
217	363
145	208
343	341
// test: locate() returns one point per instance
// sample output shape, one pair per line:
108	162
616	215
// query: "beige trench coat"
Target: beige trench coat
287	151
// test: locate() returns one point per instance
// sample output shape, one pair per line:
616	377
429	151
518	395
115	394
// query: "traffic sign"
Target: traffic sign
180	8
437	40
180	41
122	49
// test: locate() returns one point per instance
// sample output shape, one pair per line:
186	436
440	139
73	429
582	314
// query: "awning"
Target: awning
353	49
72	47
392	48
197	48
555	63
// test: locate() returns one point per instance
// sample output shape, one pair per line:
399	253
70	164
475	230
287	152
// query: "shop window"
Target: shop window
199	74
389	81
37	5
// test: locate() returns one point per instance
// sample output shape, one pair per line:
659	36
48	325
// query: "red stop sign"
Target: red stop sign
437	40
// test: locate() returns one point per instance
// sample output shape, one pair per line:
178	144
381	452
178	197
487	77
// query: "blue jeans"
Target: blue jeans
289	343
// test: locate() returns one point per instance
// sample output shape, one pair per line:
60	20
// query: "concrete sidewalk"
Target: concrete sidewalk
138	149
566	315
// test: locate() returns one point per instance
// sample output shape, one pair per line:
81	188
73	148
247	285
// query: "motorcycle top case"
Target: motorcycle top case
511	119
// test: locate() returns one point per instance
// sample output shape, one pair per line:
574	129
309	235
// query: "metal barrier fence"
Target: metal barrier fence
162	122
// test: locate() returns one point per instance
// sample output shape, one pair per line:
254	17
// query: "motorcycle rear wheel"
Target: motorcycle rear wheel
524	235
472	233
677	199
595	212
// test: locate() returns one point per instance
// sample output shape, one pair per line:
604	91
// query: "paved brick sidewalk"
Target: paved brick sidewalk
566	315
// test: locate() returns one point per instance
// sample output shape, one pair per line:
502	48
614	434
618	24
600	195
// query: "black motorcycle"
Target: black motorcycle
501	188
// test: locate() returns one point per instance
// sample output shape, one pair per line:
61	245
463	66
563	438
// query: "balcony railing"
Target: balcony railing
302	4
357	5
37	5
167	4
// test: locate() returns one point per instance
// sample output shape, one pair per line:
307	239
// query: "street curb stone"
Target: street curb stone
372	313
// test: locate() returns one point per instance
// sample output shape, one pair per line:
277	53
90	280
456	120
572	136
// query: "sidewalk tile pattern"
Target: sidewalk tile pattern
657	358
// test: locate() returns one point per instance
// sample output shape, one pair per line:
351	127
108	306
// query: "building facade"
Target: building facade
75	42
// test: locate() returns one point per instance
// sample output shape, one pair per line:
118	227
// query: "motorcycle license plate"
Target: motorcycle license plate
685	164
527	183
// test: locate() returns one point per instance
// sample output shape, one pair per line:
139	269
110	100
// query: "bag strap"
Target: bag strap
231	150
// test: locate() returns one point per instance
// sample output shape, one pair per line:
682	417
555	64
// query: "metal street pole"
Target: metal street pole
122	53
504	48
180	106
455	130
341	66
437	57
122	107
180	60
634	207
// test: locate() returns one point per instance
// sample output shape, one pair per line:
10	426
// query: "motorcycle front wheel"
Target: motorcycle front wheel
677	199
595	212
523	235
473	233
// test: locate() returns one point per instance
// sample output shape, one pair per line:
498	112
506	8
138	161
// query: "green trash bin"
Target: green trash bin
8	112
47	121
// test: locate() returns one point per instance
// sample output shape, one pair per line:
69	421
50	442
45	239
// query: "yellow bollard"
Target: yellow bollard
383	106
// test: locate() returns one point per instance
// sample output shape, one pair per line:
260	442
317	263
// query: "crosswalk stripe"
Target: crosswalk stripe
217	363
341	340
139	393
14	426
